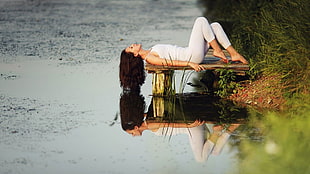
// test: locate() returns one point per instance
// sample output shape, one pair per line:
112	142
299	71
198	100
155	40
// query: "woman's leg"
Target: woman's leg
224	41
235	56
220	35
201	38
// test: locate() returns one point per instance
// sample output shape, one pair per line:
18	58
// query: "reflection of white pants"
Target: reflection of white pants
202	34
198	138
201	147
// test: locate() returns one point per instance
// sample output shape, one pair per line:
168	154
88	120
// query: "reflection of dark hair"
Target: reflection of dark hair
131	71
132	108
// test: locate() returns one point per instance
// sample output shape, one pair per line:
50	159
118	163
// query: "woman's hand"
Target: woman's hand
156	60
196	123
196	66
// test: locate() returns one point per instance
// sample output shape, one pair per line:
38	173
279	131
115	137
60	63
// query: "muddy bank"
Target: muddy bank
265	92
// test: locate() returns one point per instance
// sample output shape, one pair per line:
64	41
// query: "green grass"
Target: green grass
226	82
273	35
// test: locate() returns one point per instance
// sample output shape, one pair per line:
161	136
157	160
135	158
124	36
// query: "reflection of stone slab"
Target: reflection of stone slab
189	107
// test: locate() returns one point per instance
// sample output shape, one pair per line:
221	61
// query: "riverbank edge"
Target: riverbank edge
266	91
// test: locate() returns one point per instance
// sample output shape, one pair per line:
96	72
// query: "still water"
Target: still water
61	102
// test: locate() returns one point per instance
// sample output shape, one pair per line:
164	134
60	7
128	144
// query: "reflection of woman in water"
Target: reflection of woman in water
205	139
134	120
203	36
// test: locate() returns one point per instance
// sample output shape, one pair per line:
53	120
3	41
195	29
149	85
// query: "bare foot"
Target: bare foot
220	54
238	57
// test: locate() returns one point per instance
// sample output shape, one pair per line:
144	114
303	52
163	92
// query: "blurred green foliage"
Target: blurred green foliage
284	148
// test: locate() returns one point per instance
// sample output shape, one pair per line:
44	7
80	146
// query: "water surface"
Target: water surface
60	94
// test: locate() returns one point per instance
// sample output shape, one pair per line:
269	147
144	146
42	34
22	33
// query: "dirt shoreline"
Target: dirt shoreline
265	92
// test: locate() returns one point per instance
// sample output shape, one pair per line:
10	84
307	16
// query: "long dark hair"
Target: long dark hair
132	106
131	71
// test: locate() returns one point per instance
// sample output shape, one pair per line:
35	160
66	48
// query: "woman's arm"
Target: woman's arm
156	60
174	125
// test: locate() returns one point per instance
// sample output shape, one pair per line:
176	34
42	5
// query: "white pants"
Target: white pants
202	34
